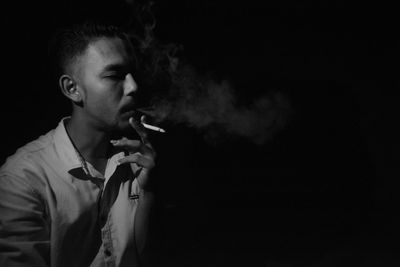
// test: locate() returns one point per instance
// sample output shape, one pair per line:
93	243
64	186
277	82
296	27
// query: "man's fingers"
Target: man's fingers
132	146
139	159
127	143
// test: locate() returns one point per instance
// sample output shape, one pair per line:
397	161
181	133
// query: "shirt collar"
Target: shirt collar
71	158
64	147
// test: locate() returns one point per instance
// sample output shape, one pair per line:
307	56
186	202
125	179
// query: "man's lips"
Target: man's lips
128	113
128	108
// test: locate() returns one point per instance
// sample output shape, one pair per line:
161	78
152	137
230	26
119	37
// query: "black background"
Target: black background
323	192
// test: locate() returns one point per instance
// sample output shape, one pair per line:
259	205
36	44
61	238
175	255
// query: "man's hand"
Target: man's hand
141	153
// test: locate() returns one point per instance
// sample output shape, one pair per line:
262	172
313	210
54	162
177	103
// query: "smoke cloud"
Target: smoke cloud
213	108
180	95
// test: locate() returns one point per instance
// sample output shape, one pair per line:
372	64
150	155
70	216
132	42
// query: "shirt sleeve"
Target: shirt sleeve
24	231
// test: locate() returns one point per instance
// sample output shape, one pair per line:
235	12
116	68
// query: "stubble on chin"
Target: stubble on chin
122	128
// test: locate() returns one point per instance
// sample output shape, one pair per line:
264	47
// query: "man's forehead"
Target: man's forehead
107	51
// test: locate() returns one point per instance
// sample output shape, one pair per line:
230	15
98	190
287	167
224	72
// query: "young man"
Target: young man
81	195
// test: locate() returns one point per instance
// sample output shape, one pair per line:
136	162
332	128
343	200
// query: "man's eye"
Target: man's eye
115	77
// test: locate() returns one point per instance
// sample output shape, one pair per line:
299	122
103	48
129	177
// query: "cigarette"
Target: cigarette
154	128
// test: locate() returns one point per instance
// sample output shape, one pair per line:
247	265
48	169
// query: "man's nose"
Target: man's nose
130	85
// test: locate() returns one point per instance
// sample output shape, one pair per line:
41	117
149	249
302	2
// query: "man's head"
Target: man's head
96	71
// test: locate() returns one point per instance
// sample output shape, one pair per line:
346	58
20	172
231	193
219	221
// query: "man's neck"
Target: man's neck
93	144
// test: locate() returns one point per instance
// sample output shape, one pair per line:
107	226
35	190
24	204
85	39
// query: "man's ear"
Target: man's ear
69	88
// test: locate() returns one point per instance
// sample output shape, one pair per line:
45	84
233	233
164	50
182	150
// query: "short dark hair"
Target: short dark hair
69	42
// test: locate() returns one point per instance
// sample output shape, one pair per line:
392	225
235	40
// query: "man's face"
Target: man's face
103	76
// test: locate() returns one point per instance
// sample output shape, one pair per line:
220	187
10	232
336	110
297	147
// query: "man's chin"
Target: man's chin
123	125
124	128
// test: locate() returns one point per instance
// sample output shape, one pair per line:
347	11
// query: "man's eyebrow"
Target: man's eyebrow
124	67
116	67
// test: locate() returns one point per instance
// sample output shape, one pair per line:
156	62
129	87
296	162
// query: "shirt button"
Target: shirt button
107	252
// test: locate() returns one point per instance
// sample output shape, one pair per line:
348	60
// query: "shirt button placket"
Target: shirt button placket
108	247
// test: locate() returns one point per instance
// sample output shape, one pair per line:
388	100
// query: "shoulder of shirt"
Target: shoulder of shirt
29	158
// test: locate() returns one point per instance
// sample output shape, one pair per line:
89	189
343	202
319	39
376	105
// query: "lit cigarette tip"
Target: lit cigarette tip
154	128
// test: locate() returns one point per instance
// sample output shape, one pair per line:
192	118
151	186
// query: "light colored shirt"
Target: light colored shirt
58	210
